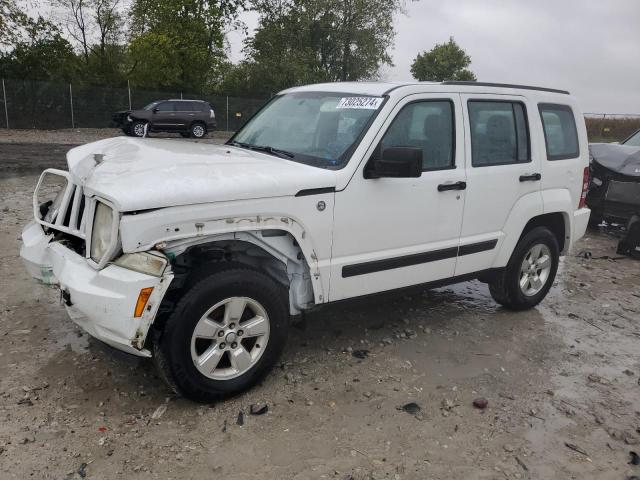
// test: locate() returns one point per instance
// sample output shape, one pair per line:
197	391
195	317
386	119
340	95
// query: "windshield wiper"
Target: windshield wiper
264	148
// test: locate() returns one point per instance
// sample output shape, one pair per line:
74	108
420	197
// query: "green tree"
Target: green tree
445	61
307	41
179	43
43	55
95	27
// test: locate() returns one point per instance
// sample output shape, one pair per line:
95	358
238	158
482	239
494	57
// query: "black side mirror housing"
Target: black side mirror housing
395	162
155	110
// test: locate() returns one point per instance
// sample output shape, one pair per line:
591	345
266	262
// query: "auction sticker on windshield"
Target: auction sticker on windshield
369	103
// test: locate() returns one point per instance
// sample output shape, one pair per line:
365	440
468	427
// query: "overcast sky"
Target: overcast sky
590	47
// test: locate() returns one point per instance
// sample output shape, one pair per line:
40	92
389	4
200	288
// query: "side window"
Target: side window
428	125
183	106
197	106
499	133
165	107
560	133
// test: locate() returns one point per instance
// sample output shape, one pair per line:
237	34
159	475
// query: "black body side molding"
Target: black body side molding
416	259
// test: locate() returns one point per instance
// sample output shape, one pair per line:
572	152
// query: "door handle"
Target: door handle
443	187
534	177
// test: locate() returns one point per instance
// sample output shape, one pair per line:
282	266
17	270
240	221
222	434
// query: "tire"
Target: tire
506	288
198	130
137	128
180	347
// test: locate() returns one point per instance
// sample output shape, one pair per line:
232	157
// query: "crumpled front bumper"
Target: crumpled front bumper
102	302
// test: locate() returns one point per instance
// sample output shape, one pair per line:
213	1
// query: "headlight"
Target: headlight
101	231
143	262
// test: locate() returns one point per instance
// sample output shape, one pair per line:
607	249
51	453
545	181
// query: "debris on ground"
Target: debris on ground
258	409
159	412
361	354
635	458
576	448
240	419
411	408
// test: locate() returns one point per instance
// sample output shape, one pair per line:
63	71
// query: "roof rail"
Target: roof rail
504	85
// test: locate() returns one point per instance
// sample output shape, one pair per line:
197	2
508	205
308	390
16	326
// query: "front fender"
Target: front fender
311	229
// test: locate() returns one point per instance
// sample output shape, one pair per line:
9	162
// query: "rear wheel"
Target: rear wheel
530	271
225	333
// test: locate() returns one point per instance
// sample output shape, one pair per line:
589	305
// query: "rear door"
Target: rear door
503	169
185	114
565	161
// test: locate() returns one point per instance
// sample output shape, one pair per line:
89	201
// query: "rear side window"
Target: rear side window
499	133
184	106
200	107
427	125
560	133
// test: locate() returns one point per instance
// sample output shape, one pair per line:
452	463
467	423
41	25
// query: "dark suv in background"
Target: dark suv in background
188	117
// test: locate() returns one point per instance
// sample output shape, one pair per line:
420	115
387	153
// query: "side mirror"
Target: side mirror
155	110
395	162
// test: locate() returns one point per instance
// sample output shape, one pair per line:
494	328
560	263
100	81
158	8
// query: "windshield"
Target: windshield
151	105
315	128
633	140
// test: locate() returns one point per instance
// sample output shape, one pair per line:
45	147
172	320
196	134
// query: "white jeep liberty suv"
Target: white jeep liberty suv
197	255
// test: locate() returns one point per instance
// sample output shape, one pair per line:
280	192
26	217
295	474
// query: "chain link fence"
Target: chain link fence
51	106
607	127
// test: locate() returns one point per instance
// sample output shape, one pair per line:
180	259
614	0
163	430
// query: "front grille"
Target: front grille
66	212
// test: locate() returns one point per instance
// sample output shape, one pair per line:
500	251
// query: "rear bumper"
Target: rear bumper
102	302
580	222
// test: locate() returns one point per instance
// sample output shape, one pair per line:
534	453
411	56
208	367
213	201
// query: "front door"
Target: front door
395	232
164	116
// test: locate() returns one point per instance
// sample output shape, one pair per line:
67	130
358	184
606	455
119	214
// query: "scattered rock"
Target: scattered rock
629	438
635	458
508	448
481	403
628	372
240	420
25	401
258	409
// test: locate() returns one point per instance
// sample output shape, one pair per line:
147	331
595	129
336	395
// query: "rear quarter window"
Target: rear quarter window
560	132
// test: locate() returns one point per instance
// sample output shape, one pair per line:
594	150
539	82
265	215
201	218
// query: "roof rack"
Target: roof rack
504	85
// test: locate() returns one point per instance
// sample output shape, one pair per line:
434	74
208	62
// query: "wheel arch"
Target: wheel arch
275	252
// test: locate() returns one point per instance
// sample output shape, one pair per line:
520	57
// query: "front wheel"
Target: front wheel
530	272
138	128
225	333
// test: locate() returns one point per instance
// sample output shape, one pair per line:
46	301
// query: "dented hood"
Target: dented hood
140	174
621	159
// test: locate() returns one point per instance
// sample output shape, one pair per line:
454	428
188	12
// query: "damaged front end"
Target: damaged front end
614	192
73	242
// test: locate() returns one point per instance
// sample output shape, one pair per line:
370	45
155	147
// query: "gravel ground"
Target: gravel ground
561	383
77	136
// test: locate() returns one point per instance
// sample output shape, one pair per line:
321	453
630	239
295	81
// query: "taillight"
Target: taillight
585	188
212	114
